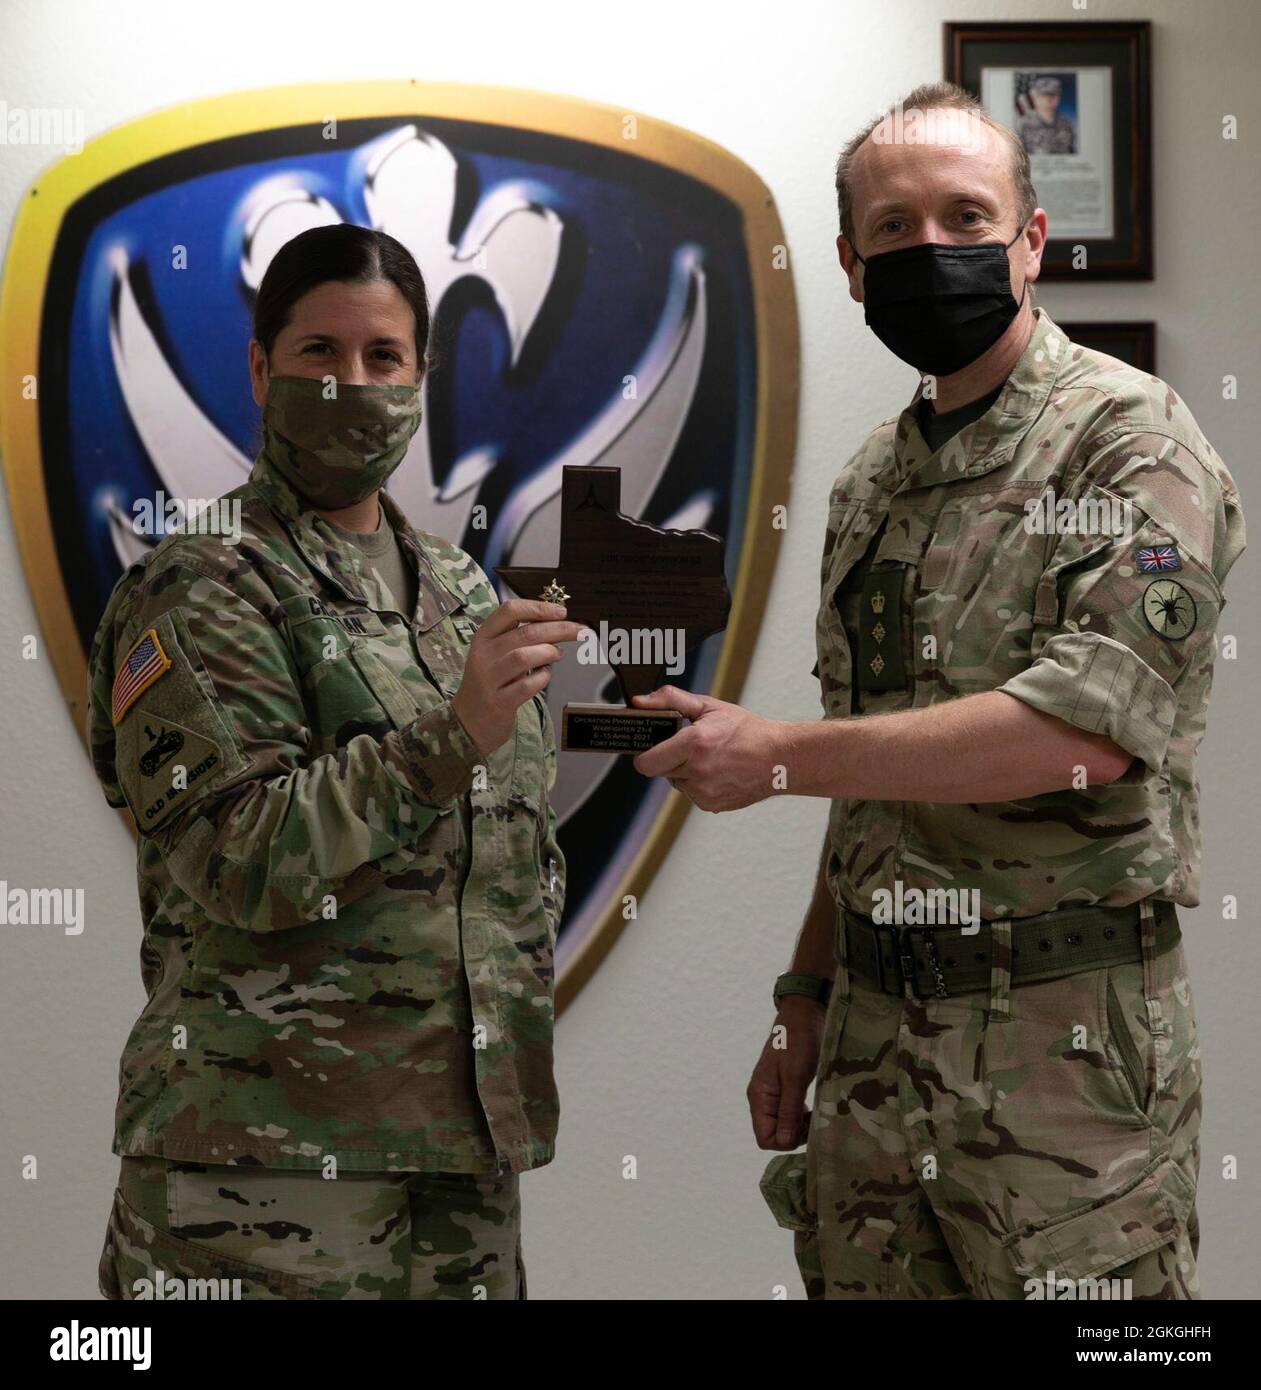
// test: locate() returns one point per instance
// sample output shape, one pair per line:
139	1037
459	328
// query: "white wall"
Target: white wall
655	1054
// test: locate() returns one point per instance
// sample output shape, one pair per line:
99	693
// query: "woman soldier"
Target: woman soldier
336	752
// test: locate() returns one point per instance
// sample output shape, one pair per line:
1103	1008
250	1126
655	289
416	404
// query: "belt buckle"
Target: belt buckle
905	958
877	933
906	961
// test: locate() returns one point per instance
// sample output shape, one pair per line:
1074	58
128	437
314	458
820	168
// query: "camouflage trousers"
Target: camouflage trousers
1036	1142
192	1230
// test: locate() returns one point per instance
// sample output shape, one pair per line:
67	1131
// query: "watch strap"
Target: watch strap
812	986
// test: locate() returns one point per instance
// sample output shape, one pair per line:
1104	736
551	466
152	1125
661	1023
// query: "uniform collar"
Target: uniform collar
989	442
328	555
436	591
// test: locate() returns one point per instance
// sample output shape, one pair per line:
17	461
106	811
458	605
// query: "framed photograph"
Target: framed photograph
1133	342
1078	95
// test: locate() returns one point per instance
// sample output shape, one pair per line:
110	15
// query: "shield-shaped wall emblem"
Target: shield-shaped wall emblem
607	289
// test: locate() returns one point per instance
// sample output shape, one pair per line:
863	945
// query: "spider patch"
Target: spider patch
1169	609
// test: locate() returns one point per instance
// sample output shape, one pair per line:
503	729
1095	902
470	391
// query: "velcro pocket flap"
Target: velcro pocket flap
1149	1213
783	1186
393	695
142	1261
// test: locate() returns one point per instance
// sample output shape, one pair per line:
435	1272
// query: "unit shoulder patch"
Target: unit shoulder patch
169	763
1169	609
145	663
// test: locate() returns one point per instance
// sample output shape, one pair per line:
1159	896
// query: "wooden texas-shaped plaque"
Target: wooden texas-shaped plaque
636	580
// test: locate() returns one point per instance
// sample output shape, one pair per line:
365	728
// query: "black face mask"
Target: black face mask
938	306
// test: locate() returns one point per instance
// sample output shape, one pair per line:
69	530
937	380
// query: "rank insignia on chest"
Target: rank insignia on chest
1154	559
880	661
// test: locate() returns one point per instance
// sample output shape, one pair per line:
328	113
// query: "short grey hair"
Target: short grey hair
936	96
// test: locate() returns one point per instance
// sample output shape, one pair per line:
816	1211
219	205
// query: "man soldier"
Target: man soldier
1045	130
989	987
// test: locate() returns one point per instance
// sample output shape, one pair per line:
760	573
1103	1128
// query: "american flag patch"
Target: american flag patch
1155	558
141	667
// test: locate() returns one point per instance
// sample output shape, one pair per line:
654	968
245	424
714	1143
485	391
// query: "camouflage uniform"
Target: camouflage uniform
349	922
961	1146
189	1231
1048	137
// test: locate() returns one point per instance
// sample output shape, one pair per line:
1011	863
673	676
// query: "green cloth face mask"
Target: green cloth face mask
336	451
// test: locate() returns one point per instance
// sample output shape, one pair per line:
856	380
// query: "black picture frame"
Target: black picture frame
1125	49
1133	341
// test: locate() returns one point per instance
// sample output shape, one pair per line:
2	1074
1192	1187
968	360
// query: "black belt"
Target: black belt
940	961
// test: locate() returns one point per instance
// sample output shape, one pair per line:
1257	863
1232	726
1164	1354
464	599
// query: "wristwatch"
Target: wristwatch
812	986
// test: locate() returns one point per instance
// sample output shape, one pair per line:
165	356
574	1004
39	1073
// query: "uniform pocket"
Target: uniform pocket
941	547
993	535
1150	1212
783	1188
390	692
319	633
348	687
1135	1072
976	584
142	1262
851	528
1153	1067
833	1034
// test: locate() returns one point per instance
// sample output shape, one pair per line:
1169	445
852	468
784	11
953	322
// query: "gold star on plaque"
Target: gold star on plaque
877	663
878	632
554	593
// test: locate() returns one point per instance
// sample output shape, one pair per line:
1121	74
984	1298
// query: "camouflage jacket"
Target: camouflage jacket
1057	137
937	583
348	921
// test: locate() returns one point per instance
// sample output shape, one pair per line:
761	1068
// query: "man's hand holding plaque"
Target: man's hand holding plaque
725	760
648	596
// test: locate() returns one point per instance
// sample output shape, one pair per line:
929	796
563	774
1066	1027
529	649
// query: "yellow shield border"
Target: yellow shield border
165	132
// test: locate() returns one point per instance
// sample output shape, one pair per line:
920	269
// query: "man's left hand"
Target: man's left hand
723	761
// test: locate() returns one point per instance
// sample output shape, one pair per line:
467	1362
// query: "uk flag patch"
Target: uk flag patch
1156	559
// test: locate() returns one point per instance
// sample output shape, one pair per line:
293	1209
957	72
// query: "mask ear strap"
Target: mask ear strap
1024	289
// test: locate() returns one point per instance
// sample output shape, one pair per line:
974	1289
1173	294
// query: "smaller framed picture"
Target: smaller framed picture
1133	342
1078	96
